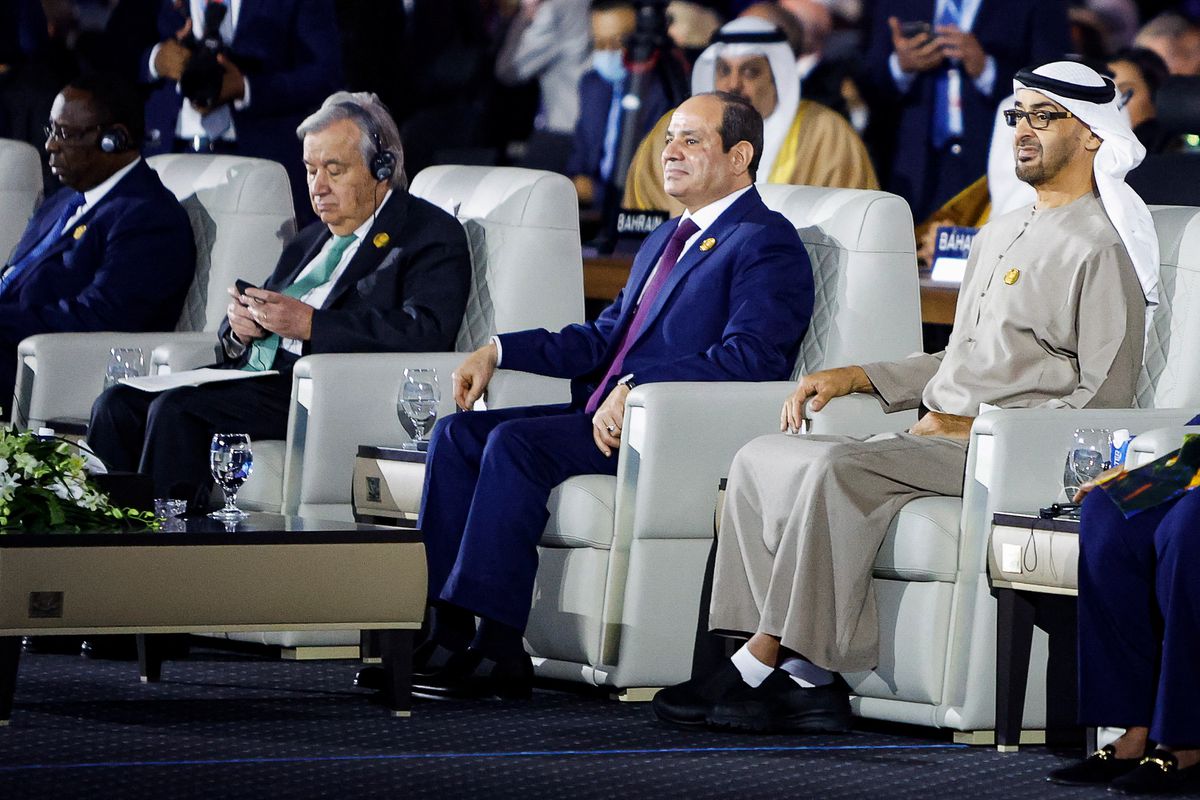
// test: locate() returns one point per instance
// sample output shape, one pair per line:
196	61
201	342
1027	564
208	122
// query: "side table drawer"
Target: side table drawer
388	488
1033	554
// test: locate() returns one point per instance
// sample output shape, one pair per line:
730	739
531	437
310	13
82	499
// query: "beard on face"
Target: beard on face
1043	167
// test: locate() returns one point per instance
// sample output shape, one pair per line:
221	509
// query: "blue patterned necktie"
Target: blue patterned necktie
947	104
52	235
262	352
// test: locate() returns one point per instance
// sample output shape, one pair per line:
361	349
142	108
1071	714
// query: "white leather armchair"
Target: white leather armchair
20	191
621	561
241	215
523	229
937	616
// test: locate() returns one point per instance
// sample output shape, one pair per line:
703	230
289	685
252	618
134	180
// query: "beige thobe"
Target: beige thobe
1051	314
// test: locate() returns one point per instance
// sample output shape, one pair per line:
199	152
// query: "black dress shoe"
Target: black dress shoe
116	647
1157	773
689	703
431	657
470	675
56	645
1099	768
780	705
373	678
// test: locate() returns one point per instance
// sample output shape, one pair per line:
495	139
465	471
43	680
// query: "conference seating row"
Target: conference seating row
622	559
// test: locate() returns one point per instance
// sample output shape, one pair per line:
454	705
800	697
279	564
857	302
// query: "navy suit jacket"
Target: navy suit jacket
1017	33
289	53
126	265
734	312
405	288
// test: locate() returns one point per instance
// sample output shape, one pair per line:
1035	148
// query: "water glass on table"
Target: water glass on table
417	401
1089	454
231	461
123	362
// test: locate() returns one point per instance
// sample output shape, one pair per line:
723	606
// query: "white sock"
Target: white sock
806	673
752	670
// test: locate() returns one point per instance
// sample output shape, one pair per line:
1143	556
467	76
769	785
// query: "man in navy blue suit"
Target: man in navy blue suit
277	62
932	68
723	293
113	251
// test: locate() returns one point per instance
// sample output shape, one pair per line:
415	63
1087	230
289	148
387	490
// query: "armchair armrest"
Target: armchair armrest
679	440
858	415
1157	443
61	374
340	401
184	351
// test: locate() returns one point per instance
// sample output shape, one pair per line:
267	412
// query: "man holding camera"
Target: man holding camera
932	67
234	77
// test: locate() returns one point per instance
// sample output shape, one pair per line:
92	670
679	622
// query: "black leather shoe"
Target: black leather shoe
116	647
470	675
1157	773
689	703
779	705
56	645
1099	768
430	658
374	678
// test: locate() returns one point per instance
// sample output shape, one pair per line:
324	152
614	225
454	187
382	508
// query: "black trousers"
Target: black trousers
166	435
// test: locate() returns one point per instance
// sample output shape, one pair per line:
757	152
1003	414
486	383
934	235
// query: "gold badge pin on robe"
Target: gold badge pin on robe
79	231
381	240
708	244
1012	276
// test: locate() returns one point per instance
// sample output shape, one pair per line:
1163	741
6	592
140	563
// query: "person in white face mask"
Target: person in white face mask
804	142
601	89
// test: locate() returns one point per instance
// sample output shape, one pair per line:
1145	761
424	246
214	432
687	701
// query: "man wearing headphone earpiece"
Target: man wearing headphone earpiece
113	250
382	271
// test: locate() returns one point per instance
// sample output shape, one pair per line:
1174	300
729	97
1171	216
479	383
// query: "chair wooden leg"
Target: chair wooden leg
150	658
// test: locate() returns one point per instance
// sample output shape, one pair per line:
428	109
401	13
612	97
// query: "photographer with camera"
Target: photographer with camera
231	77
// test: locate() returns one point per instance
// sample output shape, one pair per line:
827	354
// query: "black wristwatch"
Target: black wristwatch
627	380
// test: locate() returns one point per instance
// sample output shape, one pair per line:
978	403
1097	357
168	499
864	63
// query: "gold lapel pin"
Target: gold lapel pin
1012	276
708	244
79	231
381	240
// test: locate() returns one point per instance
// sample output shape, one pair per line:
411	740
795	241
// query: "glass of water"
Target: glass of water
1090	454
231	462
417	401
123	362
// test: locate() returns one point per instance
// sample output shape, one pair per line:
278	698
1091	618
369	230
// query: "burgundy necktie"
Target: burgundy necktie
670	255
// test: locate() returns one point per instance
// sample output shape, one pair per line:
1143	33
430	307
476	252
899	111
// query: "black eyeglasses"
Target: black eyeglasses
65	133
1038	120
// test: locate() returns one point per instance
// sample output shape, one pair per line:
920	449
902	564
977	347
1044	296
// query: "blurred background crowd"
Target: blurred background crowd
542	83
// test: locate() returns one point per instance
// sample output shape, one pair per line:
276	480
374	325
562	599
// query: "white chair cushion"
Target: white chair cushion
20	191
263	490
585	506
922	541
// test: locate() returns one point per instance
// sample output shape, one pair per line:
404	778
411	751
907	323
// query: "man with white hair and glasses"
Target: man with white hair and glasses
1051	315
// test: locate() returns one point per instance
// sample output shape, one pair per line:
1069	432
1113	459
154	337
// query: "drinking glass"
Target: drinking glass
123	362
231	462
1090	454
418	401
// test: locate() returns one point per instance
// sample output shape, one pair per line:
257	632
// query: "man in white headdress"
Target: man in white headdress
1051	316
804	142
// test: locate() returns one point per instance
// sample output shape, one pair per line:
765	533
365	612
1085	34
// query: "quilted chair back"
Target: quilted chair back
20	191
1170	378
862	251
523	229
242	216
